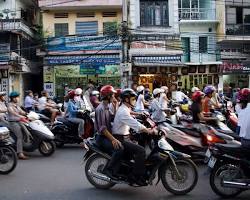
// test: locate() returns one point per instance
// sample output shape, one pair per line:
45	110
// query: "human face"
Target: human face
3	98
16	99
132	101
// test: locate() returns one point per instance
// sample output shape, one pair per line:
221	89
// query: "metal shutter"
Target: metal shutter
87	28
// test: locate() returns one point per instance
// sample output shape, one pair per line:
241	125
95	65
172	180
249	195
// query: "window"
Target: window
202	44
154	13
61	15
110	28
239	15
186	48
109	14
85	14
87	28
61	29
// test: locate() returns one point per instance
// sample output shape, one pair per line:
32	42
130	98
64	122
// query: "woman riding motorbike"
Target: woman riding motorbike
207	104
16	117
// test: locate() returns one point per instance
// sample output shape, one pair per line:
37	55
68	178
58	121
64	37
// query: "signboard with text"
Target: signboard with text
237	67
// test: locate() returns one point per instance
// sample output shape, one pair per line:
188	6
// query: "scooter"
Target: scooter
171	168
8	156
39	136
66	132
230	169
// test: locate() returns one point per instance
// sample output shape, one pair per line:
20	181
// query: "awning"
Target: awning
157	60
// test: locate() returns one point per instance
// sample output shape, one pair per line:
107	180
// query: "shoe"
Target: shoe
21	156
109	173
140	181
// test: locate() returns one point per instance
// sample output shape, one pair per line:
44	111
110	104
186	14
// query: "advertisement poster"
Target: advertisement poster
48	74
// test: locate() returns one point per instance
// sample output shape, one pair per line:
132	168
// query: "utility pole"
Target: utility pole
125	69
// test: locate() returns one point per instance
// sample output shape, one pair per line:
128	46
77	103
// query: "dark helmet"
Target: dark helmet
14	94
209	89
128	93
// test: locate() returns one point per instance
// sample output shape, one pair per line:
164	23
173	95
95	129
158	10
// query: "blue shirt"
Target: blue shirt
72	109
29	102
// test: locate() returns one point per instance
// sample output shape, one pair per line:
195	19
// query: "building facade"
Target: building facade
198	29
82	44
234	43
19	38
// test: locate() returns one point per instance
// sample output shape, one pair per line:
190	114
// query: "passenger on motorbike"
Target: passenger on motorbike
122	123
72	111
196	108
207	104
29	102
140	103
47	108
94	98
16	118
244	117
104	139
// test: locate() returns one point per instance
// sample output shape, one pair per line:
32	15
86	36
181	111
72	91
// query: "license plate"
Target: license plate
208	153
212	162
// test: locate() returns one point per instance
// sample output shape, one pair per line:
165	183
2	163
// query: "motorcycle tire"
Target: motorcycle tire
4	159
47	148
185	176
94	181
58	141
221	170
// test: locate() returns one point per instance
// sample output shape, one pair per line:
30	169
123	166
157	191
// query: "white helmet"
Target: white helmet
95	93
78	91
140	88
164	88
157	91
194	89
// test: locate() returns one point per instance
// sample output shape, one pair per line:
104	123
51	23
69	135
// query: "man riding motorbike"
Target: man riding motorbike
122	123
140	103
163	100
94	98
244	117
16	117
81	102
71	113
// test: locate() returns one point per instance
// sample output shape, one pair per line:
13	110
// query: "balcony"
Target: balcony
238	29
16	25
197	14
91	4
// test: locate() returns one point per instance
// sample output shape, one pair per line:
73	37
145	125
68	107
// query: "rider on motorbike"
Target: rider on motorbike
81	101
16	119
207	104
94	98
72	111
163	100
140	103
122	123
104	139
244	119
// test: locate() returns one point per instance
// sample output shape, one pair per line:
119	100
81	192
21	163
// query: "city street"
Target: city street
61	177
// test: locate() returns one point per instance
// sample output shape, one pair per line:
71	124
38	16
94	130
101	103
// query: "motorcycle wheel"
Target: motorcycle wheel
96	164
8	160
58	141
183	184
47	148
225	172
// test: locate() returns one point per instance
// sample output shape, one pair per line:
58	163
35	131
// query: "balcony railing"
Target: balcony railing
238	29
197	14
15	24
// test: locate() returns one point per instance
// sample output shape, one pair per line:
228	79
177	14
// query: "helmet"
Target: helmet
71	94
197	95
209	89
78	91
194	89
164	88
118	92
140	88
157	91
244	94
2	94
95	93
127	93
107	90
14	94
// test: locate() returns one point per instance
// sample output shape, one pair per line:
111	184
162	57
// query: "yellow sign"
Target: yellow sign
48	74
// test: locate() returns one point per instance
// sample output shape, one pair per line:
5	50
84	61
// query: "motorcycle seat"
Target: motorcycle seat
234	149
66	121
192	131
92	142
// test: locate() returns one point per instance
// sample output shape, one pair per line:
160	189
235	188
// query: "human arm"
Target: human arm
72	108
12	111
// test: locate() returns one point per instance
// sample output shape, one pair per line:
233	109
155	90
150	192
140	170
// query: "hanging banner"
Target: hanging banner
237	67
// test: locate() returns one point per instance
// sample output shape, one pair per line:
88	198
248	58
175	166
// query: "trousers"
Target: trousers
80	123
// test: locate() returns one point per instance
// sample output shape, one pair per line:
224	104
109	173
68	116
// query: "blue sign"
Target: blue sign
86	59
4	52
78	43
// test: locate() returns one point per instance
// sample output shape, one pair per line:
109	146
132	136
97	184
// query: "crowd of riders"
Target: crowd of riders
114	111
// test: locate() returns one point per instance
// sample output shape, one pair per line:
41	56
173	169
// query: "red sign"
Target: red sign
229	67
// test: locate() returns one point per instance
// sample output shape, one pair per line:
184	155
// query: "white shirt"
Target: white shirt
139	106
162	100
180	96
124	121
158	114
42	103
244	122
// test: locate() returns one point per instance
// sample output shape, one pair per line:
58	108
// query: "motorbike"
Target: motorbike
175	170
230	169
39	136
8	156
66	132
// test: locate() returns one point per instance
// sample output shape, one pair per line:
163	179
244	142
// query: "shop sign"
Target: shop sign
237	67
48	74
67	71
77	43
103	59
108	70
5	85
4	52
49	87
